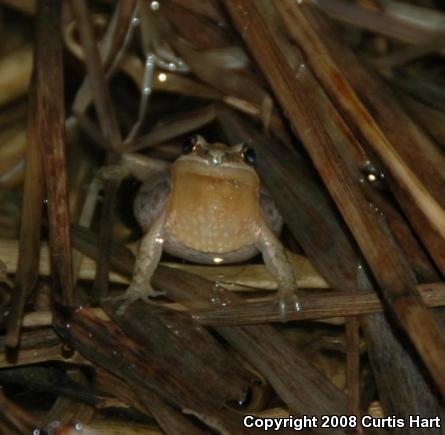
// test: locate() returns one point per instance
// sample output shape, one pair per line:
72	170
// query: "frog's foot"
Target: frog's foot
144	292
133	293
288	302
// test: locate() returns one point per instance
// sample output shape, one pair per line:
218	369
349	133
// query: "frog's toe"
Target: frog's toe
134	293
147	294
288	302
144	292
114	299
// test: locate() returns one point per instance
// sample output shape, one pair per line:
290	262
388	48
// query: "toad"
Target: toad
210	209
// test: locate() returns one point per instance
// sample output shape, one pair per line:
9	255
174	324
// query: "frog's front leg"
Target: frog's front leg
147	260
278	264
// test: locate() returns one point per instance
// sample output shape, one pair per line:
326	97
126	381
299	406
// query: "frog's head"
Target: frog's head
217	155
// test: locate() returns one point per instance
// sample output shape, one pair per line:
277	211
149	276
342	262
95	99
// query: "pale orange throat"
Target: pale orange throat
213	214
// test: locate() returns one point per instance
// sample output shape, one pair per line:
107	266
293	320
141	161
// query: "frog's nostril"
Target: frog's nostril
189	144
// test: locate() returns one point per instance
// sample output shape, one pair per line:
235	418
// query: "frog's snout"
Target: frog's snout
216	157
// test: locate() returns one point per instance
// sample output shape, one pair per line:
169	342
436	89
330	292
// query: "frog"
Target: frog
209	207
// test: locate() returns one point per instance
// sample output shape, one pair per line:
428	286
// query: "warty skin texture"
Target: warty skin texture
210	209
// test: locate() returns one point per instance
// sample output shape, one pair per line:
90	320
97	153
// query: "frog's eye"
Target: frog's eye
189	144
249	156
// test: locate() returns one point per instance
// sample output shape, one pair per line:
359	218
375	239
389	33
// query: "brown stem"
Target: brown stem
110	130
101	96
28	258
324	134
49	132
323	305
353	366
16	417
411	158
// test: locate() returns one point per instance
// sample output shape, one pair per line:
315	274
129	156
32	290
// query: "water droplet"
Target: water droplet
132	366
171	66
135	21
114	352
373	207
78	427
154	5
371	172
218	260
68	326
301	70
90	335
162	77
147	90
287	305
52	427
36	432
220	296
78	308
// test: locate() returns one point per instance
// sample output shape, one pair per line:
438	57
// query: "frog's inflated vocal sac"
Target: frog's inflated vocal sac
210	209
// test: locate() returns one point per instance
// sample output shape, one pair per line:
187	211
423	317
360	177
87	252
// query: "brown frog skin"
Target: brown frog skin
209	209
